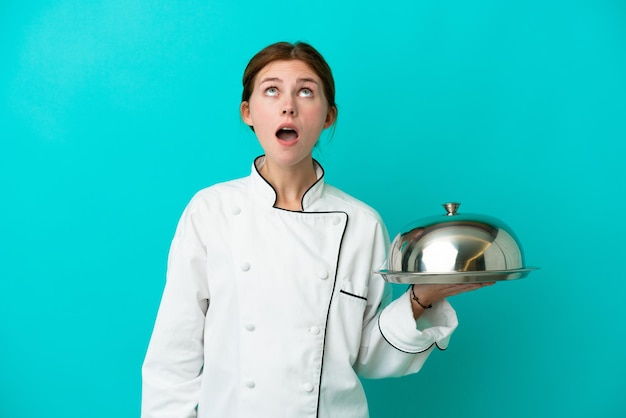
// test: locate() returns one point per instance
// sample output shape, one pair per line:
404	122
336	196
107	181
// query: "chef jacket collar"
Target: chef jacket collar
268	195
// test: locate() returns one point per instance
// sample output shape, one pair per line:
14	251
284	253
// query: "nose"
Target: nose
289	108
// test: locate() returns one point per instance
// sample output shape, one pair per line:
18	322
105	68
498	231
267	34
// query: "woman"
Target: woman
271	308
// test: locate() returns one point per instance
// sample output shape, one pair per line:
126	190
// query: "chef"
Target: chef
271	307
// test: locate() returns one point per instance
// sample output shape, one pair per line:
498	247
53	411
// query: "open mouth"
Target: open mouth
287	134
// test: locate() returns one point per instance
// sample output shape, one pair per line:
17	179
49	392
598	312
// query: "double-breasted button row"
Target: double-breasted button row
244	266
314	330
250	384
322	274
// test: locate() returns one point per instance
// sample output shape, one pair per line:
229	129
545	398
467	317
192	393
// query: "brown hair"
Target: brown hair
285	51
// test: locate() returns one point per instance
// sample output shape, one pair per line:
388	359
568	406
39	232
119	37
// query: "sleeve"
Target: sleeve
394	344
173	364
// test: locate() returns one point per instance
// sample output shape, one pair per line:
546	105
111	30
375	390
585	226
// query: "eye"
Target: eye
271	91
306	92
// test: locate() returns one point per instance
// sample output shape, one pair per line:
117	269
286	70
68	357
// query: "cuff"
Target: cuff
434	326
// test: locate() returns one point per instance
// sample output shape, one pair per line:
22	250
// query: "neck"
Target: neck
290	183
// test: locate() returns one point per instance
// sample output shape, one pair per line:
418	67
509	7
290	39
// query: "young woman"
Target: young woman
271	308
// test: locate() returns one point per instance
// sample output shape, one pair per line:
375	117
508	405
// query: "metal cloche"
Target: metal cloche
455	248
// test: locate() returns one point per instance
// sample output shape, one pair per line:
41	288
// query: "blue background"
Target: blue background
113	113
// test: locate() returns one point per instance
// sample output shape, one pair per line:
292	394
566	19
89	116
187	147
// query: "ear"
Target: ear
244	110
331	116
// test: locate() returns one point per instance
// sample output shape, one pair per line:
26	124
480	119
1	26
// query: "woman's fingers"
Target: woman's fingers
435	292
466	288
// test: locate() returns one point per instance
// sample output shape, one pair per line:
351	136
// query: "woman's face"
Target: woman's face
288	111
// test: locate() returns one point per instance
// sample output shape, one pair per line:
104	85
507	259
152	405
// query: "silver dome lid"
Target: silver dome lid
455	248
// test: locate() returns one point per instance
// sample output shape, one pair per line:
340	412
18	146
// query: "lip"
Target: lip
290	126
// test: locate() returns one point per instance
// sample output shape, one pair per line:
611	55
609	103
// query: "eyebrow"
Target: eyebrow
311	80
276	79
270	79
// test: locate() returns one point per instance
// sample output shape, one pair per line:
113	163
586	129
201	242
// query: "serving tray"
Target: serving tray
454	277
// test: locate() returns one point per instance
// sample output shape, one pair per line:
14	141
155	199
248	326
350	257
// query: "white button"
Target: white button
323	274
250	327
314	330
308	387
245	266
236	211
336	221
250	384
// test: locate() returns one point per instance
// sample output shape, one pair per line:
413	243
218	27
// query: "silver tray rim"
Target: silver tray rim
454	277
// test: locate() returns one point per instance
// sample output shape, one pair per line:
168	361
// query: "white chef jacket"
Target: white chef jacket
273	313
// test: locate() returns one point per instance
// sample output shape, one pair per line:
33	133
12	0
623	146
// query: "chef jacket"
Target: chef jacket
274	313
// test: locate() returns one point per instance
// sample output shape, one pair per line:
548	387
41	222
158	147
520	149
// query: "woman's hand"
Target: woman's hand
424	295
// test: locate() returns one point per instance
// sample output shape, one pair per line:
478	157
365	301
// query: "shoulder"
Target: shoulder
218	197
351	205
222	190
365	227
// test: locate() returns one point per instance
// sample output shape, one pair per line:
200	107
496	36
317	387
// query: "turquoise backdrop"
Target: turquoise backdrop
114	112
